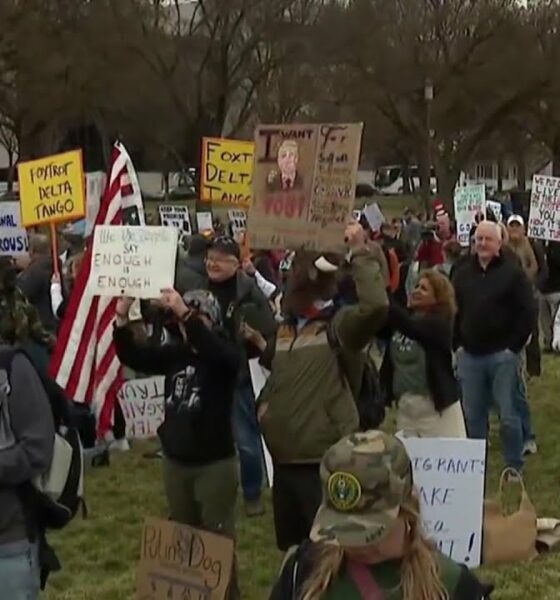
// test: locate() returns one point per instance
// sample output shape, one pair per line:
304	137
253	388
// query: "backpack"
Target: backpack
56	496
368	397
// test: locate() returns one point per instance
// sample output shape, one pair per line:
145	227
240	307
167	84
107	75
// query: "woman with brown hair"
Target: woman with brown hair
367	541
417	369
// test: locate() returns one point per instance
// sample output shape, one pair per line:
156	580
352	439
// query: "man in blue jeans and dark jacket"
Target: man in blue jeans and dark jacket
496	316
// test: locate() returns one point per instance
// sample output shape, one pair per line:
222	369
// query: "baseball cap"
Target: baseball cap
366	477
516	219
226	245
206	304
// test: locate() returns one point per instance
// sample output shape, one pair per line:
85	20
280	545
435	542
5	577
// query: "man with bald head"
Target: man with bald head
496	315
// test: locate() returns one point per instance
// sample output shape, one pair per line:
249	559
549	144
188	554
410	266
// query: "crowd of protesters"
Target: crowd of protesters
454	332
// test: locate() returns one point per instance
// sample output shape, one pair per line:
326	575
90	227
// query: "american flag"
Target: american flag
84	362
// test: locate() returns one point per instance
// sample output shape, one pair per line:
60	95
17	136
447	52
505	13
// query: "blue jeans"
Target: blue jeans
523	408
19	571
247	437
487	380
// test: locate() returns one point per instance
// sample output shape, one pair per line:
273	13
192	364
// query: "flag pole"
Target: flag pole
54	246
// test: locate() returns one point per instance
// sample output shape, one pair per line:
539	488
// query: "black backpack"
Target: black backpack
368	398
55	498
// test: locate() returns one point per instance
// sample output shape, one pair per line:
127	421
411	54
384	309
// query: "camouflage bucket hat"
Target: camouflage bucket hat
366	477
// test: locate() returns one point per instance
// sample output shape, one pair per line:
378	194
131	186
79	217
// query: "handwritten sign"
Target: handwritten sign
204	221
496	209
177	561
469	201
227	171
449	476
544	215
132	261
143	405
52	189
176	216
304	185
13	238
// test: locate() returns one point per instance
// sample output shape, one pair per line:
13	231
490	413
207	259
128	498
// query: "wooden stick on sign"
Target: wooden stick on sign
54	246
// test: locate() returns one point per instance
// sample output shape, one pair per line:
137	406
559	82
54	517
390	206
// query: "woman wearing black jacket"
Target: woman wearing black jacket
417	369
199	465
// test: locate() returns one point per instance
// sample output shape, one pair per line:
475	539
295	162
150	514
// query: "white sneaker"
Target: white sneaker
530	448
121	445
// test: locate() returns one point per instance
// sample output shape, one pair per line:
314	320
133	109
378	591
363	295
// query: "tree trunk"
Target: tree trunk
500	186
447	180
556	155
521	171
11	171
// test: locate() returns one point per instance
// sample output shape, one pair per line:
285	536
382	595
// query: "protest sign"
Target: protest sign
496	209
470	200
13	238
544	215
132	261
356	214
176	216
52	189
449	476
204	221
304	185
178	561
259	375
238	221
143	405
227	171
374	216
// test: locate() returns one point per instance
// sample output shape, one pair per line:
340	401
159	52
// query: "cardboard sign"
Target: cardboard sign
496	209
470	200
204	221
304	185
52	189
544	215
227	171
238	221
449	477
132	261
143	405
374	216
178	562
13	238
176	216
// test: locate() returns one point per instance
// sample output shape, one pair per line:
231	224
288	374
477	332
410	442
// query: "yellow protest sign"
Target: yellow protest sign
227	171
52	189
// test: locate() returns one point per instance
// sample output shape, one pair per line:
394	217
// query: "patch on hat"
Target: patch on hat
344	491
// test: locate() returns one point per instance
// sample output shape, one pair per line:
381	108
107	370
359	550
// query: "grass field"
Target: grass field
99	554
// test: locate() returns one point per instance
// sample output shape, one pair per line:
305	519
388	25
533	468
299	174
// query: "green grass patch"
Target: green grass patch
99	555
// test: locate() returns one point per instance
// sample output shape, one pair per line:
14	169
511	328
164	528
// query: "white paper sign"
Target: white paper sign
469	201
259	375
238	220
496	209
374	216
204	221
449	476
176	216
13	237
133	261
544	216
143	405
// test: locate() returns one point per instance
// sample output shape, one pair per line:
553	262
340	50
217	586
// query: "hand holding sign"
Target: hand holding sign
355	236
171	300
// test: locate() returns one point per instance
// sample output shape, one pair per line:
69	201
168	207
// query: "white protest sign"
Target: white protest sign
374	216
176	216
143	405
132	261
238	220
449	477
496	209
13	237
469	201
259	375
544	216
204	221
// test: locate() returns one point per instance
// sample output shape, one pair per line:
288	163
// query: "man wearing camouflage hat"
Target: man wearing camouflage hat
367	539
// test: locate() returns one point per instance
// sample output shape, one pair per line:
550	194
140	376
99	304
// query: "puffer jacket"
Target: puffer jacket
306	405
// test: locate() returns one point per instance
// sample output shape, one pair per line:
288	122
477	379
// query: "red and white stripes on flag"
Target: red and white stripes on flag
84	362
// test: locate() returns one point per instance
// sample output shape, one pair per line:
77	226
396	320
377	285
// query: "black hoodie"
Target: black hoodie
200	379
